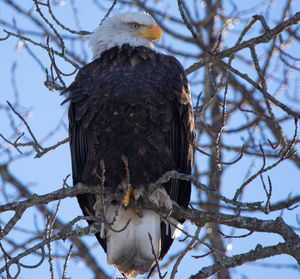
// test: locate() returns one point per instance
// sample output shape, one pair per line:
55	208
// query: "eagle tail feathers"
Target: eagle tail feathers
128	245
134	240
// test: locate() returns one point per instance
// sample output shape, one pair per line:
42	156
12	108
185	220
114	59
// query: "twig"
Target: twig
83	33
42	46
109	11
258	253
155	257
67	261
183	254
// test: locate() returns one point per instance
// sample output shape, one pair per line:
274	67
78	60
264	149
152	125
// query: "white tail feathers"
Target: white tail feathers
129	247
130	250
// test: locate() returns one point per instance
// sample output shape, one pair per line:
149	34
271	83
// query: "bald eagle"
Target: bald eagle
131	102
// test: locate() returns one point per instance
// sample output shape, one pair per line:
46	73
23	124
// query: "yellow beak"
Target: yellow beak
151	32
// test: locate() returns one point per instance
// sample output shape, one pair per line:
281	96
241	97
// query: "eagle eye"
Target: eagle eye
134	25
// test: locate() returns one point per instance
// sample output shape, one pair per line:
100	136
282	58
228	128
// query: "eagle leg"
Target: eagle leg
126	198
135	193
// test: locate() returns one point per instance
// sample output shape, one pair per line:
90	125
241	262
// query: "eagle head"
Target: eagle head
133	28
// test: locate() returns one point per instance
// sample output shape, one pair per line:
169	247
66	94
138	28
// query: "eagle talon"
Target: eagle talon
126	198
138	212
135	194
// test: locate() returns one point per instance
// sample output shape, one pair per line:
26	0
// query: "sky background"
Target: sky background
46	174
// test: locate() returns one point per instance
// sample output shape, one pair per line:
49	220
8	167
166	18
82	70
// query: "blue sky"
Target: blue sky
47	173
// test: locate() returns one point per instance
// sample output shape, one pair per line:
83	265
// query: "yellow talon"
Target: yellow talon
126	198
135	192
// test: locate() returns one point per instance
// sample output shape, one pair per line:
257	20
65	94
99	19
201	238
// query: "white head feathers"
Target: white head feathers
117	30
